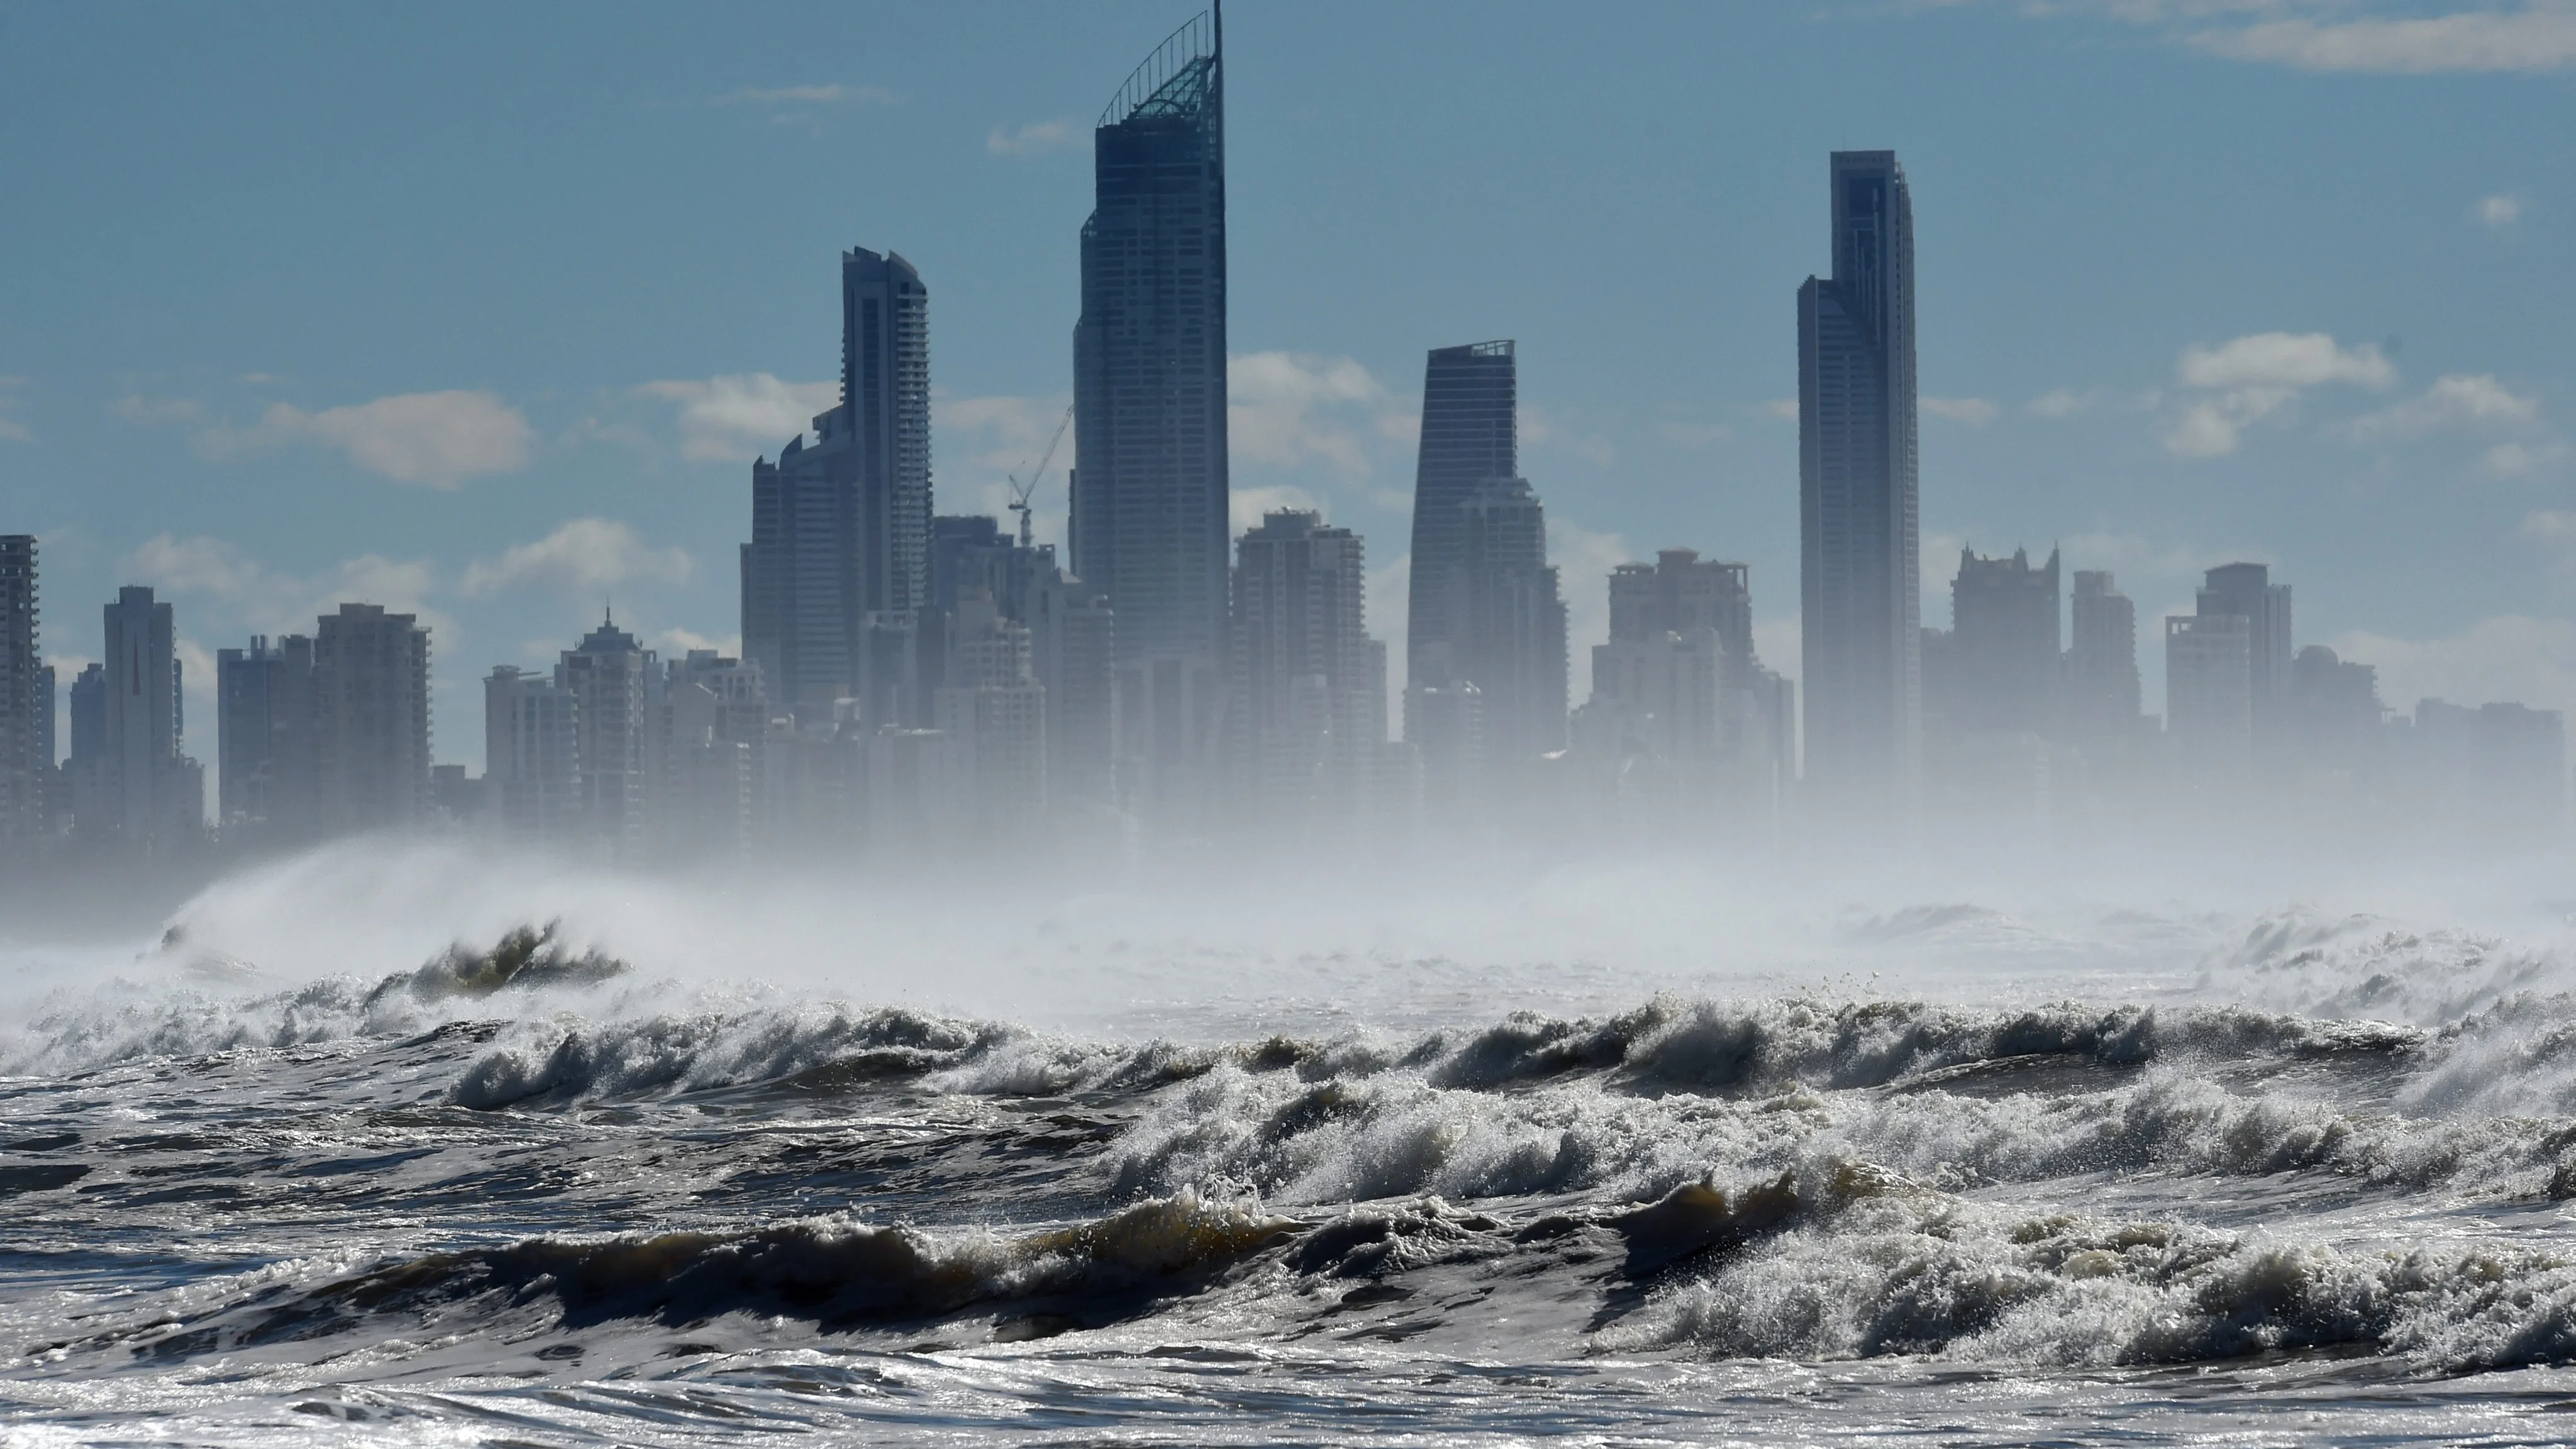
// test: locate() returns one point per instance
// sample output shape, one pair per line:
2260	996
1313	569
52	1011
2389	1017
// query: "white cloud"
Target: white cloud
2059	403
1976	412
2538	36
784	97
1034	139
1695	436
264	601
2255	376
2515	460
1783	408
435	439
2284	359
675	643
2453	403
171	412
1286	408
586	557
2510	657
741	414
2500	211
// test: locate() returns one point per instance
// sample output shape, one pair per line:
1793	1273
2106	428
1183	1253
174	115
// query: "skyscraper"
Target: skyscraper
370	719
264	718
2004	638
840	528
1508	626
26	698
1470	436
885	391
2246	590
2209	693
1310	684
1856	496
146	794
611	680
532	765
1150	488
2102	697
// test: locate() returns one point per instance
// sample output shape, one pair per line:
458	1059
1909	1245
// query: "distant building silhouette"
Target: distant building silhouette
370	719
991	716
2006	615
1150	486
26	701
1681	706
2247	591
840	528
2209	694
1470	436
2498	771
1858	520
143	792
531	754
2337	722
1508	628
613	681
2102	691
709	731
1310	683
264	746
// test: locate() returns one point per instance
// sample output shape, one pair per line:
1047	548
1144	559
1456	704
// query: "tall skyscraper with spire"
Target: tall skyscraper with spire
1150	486
1857	510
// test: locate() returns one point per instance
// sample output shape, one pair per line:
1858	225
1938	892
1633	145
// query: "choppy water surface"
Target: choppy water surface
2143	1176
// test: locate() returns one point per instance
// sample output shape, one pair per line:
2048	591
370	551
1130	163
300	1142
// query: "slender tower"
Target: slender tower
1150	486
1859	578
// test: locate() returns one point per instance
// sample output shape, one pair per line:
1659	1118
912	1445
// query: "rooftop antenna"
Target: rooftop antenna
1020	491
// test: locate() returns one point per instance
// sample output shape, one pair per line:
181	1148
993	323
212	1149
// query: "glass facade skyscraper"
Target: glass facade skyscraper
1150	489
840	529
1857	510
1470	437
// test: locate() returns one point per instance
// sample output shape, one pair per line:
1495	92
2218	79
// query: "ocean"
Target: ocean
410	1145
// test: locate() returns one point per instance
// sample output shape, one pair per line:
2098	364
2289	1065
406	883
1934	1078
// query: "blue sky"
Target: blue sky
484	310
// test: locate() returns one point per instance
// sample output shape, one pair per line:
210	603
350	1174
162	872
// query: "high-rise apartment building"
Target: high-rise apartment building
26	699
840	527
1858	522
611	679
531	755
1508	627
143	792
2209	693
711	725
885	390
1150	486
2003	648
1310	684
1470	437
371	719
991	715
2102	691
2247	591
265	712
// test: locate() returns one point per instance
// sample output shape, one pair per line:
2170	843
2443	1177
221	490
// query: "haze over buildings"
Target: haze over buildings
913	688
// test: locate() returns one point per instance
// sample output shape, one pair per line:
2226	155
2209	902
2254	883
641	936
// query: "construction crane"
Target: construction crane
1020	491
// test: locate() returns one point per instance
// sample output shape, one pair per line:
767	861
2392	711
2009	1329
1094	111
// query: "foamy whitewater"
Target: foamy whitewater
411	1145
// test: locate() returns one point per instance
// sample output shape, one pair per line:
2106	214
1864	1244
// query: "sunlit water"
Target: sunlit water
1623	1155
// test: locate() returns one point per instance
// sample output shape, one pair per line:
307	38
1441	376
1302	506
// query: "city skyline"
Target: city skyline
481	597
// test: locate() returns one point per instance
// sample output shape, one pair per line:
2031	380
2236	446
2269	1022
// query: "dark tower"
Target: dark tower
1857	509
1150	484
1470	437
